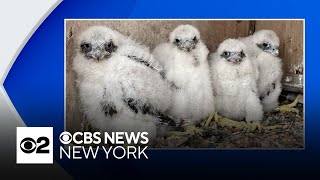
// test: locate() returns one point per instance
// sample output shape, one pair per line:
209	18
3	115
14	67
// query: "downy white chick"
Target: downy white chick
185	63
264	50
121	85
234	82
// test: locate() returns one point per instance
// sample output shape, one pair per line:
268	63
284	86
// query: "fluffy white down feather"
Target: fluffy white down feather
109	81
193	100
234	85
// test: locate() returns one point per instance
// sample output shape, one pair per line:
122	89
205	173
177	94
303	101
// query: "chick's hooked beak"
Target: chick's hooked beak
97	54
187	45
267	47
275	51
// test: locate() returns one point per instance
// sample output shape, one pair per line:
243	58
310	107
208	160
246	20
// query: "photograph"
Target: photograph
198	83
159	89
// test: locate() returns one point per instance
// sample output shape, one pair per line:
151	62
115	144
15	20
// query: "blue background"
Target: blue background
35	85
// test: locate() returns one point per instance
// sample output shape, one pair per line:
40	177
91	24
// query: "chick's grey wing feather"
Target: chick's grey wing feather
137	106
147	63
109	109
268	90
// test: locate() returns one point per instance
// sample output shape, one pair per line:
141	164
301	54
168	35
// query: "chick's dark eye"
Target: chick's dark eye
195	38
226	53
86	47
242	54
177	40
265	44
110	47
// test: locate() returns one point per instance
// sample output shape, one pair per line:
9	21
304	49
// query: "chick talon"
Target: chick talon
241	125
189	130
207	122
255	126
286	108
290	107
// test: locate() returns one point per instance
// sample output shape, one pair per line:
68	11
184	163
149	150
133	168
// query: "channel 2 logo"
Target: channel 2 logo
34	145
28	145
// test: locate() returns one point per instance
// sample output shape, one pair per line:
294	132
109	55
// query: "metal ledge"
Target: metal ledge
293	83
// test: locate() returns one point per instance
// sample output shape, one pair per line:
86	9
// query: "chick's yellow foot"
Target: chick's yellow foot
207	122
290	107
189	129
285	108
241	125
252	126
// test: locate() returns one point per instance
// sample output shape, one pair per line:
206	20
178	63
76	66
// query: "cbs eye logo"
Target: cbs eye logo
29	145
65	137
34	145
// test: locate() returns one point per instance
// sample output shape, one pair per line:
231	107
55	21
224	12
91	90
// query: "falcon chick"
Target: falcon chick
185	64
264	48
234	82
121	85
